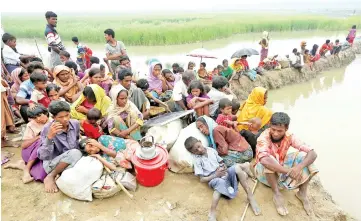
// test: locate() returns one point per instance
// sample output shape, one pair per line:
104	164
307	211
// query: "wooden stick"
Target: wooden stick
121	185
36	43
245	210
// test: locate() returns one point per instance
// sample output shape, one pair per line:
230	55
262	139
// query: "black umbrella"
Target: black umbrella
245	51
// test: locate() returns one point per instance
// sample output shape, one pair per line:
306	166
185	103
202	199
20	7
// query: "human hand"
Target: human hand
32	105
81	109
55	128
296	173
220	172
93	143
159	92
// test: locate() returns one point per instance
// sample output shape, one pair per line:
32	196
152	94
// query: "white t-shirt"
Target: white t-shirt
179	90
10	56
216	95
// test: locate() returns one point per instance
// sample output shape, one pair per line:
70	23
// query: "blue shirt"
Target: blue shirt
26	88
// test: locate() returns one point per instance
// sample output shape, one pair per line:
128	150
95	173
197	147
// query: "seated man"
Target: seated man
278	168
59	144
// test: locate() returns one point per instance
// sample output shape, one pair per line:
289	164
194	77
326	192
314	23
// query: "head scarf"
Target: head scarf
303	43
17	81
74	90
254	107
102	102
211	124
236	67
154	82
115	110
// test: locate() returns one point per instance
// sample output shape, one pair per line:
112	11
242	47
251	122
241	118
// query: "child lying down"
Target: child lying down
211	168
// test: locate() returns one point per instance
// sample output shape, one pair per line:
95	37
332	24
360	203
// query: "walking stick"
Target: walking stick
36	43
245	210
121	185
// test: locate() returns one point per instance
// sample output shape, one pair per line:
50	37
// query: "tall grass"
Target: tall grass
165	30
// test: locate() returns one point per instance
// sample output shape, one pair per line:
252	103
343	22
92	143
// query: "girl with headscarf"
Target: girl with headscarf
65	78
236	65
19	75
123	117
264	44
93	97
230	145
157	83
254	107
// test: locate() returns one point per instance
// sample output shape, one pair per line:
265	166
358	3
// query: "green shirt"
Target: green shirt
228	72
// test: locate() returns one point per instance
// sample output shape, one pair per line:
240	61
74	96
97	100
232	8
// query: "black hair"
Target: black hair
244	56
219	82
180	70
22	72
328	41
203	64
38	76
306	51
6	37
37	111
94	71
121	91
189	142
224	102
196	85
89	94
124	73
224	61
36	59
75	39
94	60
166	71
24	60
207	89
280	119
52	87
102	67
353	26
175	65
56	107
50	14
337	40
65	53
235	105
220	66
94	114
82	145
34	65
294	50
10	38
191	62
188	76
72	64
143	84
314	49
124	58
110	32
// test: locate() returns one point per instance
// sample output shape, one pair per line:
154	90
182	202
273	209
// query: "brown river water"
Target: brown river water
325	112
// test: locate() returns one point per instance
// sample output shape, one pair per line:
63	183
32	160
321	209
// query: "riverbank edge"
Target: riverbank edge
276	79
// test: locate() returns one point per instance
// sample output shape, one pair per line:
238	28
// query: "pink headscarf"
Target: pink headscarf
17	81
153	81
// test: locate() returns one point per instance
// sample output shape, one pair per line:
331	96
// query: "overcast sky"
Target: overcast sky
158	5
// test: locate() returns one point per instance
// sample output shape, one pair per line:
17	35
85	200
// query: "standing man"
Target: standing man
52	37
113	49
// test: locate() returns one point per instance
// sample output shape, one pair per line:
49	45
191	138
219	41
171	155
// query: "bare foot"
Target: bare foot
280	205
50	185
306	203
212	217
20	165
27	178
254	205
246	167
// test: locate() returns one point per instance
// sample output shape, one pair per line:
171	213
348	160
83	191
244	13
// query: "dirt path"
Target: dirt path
192	200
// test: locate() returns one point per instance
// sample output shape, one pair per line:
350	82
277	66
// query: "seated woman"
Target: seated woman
70	87
123	117
254	107
230	145
93	97
197	99
157	83
33	167
170	78
250	73
19	75
315	55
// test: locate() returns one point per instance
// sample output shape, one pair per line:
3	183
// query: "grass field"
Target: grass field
167	30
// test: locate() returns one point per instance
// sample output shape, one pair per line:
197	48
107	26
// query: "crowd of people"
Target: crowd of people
74	109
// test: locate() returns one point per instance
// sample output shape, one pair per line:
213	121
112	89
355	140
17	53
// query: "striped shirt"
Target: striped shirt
52	37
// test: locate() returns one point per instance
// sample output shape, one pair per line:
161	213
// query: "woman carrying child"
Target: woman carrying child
93	96
157	83
230	145
33	167
123	117
197	99
70	87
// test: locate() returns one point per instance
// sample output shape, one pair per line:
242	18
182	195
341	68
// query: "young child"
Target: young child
64	56
169	78
226	118
209	166
251	135
307	58
39	94
90	125
107	79
235	106
52	90
197	99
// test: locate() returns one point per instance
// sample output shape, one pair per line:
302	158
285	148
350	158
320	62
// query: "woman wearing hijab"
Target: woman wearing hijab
236	65
19	75
264	44
93	97
157	83
254	107
123	117
230	145
70	87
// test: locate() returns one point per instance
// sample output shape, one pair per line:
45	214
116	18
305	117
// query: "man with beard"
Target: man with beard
279	168
53	39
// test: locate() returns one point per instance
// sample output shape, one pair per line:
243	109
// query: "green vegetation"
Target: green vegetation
167	30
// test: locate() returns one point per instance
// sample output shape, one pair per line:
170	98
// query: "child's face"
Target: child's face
41	119
102	72
96	79
63	58
53	95
227	110
40	85
90	149
220	70
196	92
255	126
198	149
25	76
225	64
201	67
169	77
12	44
